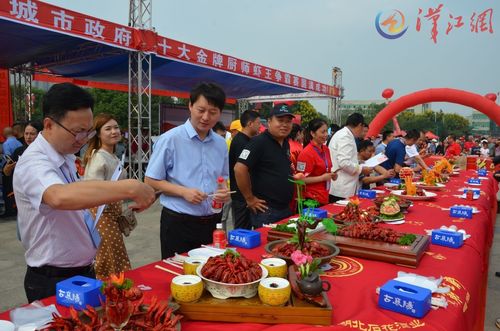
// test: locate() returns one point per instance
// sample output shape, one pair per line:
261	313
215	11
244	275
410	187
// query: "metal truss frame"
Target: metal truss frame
139	99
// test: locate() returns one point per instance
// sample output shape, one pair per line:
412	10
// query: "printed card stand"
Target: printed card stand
395	181
79	291
405	298
461	212
476	181
476	192
367	194
315	213
244	238
482	172
447	238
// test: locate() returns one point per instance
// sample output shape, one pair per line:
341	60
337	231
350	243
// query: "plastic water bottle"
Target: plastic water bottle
217	205
219	237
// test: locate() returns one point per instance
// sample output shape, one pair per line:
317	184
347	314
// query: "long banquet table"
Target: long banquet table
354	280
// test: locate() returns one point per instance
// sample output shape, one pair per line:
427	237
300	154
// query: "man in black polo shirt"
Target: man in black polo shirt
250	120
263	170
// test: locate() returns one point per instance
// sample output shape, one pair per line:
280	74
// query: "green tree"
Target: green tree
306	110
456	125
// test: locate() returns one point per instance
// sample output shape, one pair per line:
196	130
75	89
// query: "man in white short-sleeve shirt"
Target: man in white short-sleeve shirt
52	201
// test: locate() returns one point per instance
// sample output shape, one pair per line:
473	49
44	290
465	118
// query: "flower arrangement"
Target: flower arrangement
306	264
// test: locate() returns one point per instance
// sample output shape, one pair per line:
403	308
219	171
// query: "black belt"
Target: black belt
187	217
51	271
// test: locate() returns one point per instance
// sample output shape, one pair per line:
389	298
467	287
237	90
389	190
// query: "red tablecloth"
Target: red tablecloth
352	293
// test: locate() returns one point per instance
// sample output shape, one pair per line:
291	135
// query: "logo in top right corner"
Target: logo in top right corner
391	24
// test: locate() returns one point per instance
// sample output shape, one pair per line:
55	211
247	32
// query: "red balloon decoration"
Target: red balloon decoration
387	93
491	96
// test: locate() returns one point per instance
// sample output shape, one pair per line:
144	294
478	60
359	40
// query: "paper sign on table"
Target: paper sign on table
405	298
375	160
474	181
482	172
395	181
460	211
367	194
447	238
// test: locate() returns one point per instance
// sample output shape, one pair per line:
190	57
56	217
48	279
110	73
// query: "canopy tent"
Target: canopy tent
71	44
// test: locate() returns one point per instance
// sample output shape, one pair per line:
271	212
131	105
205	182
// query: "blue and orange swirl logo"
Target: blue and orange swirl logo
391	25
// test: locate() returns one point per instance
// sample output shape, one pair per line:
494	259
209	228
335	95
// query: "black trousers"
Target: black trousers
40	282
180	233
241	215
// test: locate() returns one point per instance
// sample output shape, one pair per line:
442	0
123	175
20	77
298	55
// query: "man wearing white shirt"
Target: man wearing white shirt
344	156
52	201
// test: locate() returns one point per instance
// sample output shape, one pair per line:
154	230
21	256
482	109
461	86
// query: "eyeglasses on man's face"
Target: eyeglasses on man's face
79	136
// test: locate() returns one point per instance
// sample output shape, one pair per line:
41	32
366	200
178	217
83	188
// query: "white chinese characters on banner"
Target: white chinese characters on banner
122	36
63	20
217	60
245	67
94	28
184	52
232	64
26	10
257	70
164	46
201	57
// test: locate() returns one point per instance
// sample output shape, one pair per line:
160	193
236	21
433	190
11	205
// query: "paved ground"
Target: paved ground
144	247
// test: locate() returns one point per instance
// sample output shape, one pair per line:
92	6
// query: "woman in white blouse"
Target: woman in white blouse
100	164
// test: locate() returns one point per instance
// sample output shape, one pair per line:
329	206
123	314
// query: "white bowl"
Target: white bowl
223	290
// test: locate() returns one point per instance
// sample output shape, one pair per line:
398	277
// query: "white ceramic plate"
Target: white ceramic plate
396	222
391	221
428	195
204	252
438	186
378	191
342	202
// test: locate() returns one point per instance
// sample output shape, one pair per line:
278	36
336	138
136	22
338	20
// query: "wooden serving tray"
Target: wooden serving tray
408	256
252	310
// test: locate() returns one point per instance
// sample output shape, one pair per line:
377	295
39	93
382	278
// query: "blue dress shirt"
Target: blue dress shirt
10	145
181	157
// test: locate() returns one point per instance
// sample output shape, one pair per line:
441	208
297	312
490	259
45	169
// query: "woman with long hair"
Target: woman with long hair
315	162
100	163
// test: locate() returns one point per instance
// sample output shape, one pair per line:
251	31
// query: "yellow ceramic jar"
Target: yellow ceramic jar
276	267
186	288
274	291
191	263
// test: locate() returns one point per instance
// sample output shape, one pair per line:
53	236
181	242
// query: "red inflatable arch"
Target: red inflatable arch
481	103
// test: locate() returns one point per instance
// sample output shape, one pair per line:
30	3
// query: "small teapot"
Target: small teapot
313	285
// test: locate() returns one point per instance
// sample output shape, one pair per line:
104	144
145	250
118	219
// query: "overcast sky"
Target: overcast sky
308	38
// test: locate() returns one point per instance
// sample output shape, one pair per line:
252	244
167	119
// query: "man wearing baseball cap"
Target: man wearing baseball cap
263	169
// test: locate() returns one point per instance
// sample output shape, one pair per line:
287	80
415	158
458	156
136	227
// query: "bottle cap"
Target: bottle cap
220	179
219	226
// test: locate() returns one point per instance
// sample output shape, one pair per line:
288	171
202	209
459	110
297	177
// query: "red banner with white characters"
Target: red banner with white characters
47	16
181	51
6	116
55	18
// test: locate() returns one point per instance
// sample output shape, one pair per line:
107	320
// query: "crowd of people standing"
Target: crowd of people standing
193	168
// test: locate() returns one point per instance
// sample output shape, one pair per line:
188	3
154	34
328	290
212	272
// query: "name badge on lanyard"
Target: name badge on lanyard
327	168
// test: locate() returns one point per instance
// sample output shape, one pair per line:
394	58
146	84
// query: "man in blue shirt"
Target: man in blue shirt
11	143
184	166
396	151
